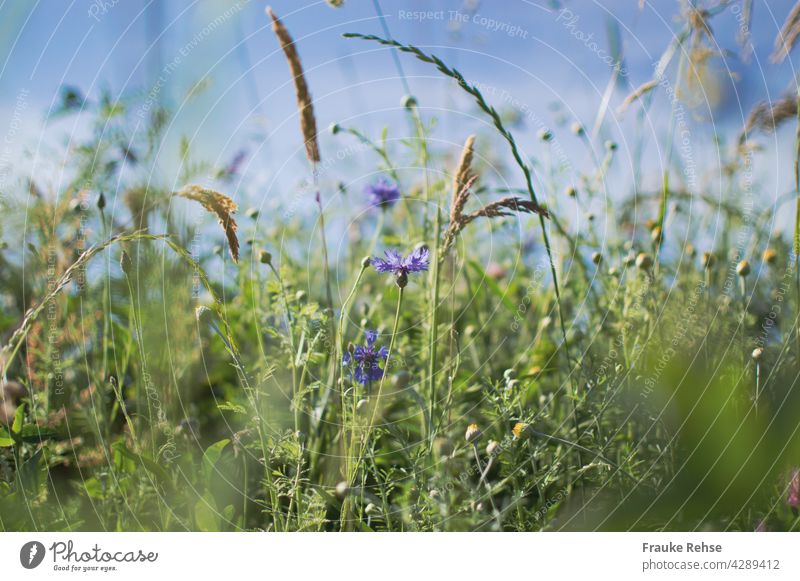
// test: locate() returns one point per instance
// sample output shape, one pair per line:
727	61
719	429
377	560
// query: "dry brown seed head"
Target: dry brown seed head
308	122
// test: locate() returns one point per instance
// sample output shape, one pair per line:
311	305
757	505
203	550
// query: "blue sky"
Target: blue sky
548	57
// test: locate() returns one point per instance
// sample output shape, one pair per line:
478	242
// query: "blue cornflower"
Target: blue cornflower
417	261
365	359
383	193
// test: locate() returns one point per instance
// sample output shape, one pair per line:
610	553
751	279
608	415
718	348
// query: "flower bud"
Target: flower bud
743	268
473	433
342	490
125	262
644	261
408	101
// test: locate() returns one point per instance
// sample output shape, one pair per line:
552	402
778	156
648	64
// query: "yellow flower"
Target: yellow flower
519	429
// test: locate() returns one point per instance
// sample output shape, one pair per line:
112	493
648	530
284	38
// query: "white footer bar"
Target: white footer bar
334	556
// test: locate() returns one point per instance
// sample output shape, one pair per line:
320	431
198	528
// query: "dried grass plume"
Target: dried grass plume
787	37
221	206
308	122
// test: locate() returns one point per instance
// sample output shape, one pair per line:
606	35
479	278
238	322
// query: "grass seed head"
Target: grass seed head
308	122
221	206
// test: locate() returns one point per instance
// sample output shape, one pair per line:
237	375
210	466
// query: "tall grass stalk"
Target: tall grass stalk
498	123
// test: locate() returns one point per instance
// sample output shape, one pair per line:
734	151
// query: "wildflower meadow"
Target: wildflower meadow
421	288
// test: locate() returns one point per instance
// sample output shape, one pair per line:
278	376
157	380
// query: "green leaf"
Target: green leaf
94	489
140	459
33	433
5	438
30	474
19	418
205	516
211	456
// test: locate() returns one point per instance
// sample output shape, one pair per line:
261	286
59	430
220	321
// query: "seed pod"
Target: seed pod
597	258
492	448
545	135
770	256
265	257
709	260
101	201
366	261
757	353
577	129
